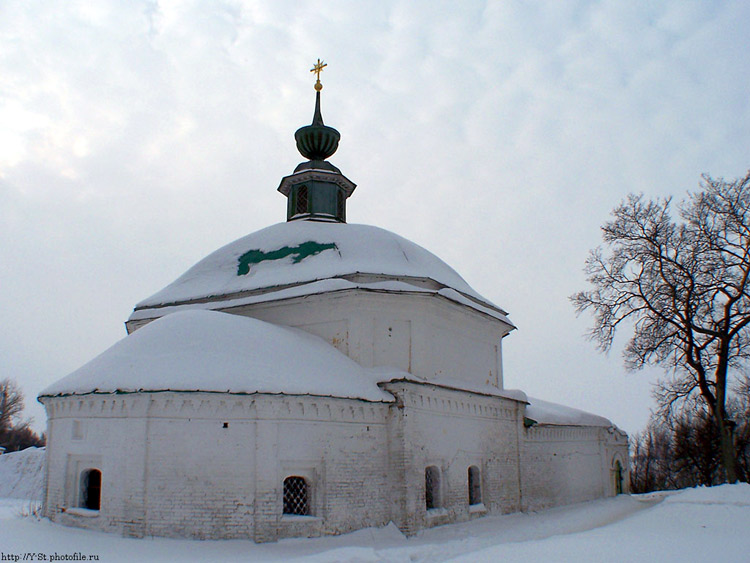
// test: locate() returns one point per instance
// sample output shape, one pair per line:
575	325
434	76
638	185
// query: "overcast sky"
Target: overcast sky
138	136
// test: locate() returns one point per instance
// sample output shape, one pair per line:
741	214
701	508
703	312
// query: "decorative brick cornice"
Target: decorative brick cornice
219	406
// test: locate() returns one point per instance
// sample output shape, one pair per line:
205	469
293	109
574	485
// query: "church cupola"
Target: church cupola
317	190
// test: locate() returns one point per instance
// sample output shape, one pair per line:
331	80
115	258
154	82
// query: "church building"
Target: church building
312	378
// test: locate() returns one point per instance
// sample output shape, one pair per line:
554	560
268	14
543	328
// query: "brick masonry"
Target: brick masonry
210	465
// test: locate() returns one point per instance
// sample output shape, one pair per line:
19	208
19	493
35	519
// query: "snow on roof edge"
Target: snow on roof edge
43	395
488	390
318	287
446	290
554	414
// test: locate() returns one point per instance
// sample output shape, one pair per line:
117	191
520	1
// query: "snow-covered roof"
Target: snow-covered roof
211	351
198	350
544	412
293	258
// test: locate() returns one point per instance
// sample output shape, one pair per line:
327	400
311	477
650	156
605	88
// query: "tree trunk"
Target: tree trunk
726	426
728	453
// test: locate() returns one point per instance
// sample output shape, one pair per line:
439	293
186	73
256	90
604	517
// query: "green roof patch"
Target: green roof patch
299	253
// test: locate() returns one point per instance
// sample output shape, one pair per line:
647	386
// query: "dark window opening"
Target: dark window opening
475	485
618	478
302	200
91	489
296	496
432	487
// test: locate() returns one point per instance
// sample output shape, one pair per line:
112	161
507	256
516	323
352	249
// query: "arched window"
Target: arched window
302	200
91	489
296	496
475	485
432	487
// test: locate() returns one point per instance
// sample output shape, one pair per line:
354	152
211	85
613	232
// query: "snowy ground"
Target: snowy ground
690	525
22	474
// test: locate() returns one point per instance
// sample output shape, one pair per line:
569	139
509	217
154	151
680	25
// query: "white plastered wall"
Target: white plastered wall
424	334
569	464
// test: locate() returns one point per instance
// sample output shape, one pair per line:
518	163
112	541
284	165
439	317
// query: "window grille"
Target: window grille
296	496
91	489
301	200
475	485
432	487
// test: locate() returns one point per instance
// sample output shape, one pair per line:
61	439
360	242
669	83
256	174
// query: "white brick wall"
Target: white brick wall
173	469
211	465
453	430
564	464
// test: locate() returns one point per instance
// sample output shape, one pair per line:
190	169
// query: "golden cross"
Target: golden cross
317	69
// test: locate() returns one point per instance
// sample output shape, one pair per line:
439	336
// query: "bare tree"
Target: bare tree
15	433
683	288
651	460
741	407
680	447
696	452
11	404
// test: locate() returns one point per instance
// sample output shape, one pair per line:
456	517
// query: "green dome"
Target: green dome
317	141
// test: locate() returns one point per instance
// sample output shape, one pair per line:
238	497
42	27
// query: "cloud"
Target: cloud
139	136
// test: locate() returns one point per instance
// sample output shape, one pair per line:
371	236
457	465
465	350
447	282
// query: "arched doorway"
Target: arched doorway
619	477
91	489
